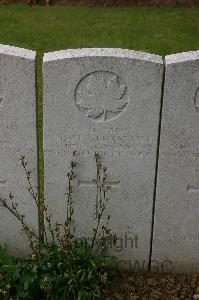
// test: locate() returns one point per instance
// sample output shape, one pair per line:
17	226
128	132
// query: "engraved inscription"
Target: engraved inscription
1	95
196	100
8	141
3	184
110	143
101	95
1	100
191	188
184	144
181	237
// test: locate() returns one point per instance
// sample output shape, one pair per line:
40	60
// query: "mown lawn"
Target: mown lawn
162	30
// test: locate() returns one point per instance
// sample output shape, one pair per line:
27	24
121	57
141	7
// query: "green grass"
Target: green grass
158	30
161	31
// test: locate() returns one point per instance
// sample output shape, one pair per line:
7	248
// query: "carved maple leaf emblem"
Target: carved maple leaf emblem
102	95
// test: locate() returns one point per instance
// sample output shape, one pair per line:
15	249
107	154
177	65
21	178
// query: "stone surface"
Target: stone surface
105	101
176	227
17	137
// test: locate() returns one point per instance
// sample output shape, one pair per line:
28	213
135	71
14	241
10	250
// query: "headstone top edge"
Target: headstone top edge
181	57
18	52
101	52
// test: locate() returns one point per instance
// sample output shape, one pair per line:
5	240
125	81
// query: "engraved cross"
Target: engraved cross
96	183
99	183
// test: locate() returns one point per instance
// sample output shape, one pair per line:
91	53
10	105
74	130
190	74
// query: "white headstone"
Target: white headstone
176	227
17	138
105	101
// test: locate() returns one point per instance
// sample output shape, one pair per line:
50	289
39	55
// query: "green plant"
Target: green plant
62	266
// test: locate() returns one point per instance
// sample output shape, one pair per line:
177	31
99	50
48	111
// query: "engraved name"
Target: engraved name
179	237
111	142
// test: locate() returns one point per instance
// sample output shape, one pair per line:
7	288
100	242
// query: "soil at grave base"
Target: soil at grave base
110	2
153	286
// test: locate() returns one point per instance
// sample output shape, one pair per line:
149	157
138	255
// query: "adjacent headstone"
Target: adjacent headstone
17	138
104	101
176	227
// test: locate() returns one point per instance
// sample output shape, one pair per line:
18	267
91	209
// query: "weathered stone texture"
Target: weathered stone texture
17	138
105	101
176	231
